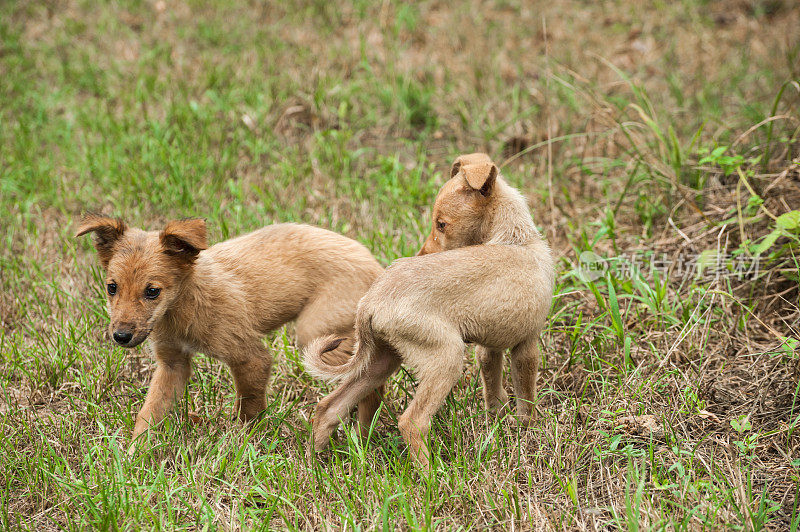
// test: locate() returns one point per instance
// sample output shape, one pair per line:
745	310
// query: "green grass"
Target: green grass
667	400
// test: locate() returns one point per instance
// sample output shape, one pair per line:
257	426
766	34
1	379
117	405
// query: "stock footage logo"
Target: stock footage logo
591	266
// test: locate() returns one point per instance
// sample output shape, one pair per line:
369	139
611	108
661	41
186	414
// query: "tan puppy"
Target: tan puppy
489	280
223	300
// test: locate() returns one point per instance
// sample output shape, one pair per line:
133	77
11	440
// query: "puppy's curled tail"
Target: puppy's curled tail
330	359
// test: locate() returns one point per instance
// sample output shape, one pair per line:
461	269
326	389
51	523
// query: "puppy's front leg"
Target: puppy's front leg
251	369
169	380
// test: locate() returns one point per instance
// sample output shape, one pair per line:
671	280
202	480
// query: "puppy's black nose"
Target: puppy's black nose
122	337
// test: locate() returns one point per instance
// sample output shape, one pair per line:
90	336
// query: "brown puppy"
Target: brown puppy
489	280
223	300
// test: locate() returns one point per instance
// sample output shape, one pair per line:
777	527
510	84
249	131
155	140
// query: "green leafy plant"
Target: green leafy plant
787	224
718	157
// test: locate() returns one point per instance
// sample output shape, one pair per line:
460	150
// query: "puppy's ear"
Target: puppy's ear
469	158
107	231
480	177
184	239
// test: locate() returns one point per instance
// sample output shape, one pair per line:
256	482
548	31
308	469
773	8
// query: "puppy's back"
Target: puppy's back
297	246
493	294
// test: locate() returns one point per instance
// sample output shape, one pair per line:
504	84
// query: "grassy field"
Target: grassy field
657	143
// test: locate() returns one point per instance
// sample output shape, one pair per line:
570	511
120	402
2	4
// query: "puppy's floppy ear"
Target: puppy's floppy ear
469	158
107	231
184	238
480	177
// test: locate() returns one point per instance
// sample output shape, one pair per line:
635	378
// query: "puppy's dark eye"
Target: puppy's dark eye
441	225
111	288
151	292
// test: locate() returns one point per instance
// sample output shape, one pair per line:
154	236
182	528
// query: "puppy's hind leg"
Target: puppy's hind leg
524	370
251	373
436	381
368	405
334	313
336	406
491	361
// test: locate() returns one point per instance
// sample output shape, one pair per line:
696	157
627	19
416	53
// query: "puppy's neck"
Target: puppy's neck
193	305
509	221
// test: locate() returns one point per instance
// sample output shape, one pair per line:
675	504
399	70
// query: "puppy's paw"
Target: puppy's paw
133	447
526	417
317	446
312	454
497	404
502	397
